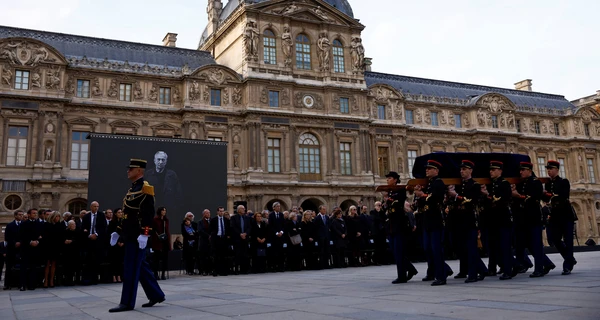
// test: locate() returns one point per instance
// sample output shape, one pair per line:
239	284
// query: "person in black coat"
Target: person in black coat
293	228
240	233
378	234
94	228
13	248
258	243
116	253
30	234
190	243
203	256
52	235
70	252
277	226
220	233
323	237
339	235
355	236
309	237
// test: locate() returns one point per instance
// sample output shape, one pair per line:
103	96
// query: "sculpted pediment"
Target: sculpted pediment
29	52
495	103
164	129
81	121
587	114
310	10
216	74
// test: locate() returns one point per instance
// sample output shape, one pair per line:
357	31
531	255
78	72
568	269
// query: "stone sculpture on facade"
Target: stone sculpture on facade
138	94
236	97
286	45
357	52
7	76
36	80
251	36
96	92
113	89
323	52
194	91
24	53
53	79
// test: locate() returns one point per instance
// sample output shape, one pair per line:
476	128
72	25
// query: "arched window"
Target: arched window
338	56
310	157
270	49
302	52
75	206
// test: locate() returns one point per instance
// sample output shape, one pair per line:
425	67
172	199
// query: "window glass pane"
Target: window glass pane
409	117
381	112
434	119
457	121
344	105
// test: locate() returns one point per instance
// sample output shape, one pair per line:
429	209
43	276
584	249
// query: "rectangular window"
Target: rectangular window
83	88
215	97
562	170
518	125
345	158
274	154
80	150
591	173
164	95
383	160
214	139
586	129
344	105
457	121
13	186
270	55
274	99
125	92
410	118
537	127
412	157
556	129
495	122
434	119
381	112
338	59
303	56
17	146
22	80
541	162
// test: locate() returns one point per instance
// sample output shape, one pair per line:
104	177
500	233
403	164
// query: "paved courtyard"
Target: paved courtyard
351	293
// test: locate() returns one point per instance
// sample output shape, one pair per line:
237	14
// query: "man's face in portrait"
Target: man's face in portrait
160	161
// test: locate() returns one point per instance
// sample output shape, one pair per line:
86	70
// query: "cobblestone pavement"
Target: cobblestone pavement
351	293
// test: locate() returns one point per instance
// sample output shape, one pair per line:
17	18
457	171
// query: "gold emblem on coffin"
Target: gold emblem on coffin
426	207
124	216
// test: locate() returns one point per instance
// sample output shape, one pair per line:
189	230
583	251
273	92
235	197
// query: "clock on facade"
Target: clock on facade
308	101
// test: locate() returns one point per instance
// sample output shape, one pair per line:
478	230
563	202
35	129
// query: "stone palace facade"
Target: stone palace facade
287	84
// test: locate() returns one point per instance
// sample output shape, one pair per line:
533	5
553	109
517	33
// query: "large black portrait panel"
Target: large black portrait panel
187	175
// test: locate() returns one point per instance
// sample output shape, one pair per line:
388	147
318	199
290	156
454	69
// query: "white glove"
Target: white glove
143	241
113	239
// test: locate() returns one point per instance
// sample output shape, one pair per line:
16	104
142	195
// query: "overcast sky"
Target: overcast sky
493	42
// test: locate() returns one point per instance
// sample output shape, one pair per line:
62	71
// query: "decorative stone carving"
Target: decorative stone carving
153	94
481	117
25	53
236	97
215	76
138	93
451	120
357	52
193	135
494	103
236	161
206	94
285	97
578	127
264	96
323	52
286	45
466	120
176	95
586	115
96	91
308	100
105	120
194	91
53	79
225	96
48	154
398	112
113	89
419	116
598	129
236	138
320	13
545	129
49	128
251	36
290	9
7	76
36	79
427	117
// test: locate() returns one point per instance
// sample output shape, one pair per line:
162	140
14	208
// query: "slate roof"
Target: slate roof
468	93
74	46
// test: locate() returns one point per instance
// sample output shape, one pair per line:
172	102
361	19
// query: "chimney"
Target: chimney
368	63
524	85
170	39
214	9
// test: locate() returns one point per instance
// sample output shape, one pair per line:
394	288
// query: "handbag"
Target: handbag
163	236
261	252
296	240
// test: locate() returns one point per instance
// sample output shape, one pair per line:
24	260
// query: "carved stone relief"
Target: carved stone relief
236	97
225	96
53	79
96	91
36	81
286	45
176	95
251	37
138	93
264	96
113	89
24	53
206	94
323	51
153	93
357	52
194	93
285	97
7	76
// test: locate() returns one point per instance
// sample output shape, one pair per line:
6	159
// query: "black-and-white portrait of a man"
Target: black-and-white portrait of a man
167	189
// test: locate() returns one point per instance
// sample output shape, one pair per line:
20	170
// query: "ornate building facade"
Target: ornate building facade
287	84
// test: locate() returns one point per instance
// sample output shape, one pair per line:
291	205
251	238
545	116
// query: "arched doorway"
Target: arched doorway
311	204
347	203
75	206
269	205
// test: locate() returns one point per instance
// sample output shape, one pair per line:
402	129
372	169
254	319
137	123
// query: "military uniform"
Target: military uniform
138	212
430	207
399	226
498	206
562	218
462	211
529	213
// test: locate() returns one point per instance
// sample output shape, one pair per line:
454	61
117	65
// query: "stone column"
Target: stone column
55	199
40	137
251	143
59	136
332	153
292	148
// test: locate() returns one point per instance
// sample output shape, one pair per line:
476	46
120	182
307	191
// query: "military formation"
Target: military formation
505	219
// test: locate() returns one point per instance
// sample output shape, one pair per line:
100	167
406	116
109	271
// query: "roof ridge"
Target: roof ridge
468	85
68	37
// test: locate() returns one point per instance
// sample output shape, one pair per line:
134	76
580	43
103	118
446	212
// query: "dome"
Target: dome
342	5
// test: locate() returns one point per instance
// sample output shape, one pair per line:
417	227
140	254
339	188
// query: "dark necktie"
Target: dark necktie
242	223
93	224
222	227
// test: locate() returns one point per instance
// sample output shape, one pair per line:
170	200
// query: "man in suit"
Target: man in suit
220	233
169	192
561	218
94	232
204	265
240	231
276	225
13	247
66	218
323	237
138	214
30	237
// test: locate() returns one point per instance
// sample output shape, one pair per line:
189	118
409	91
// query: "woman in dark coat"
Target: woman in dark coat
52	236
70	252
309	236
116	253
190	243
258	243
294	251
161	242
338	234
